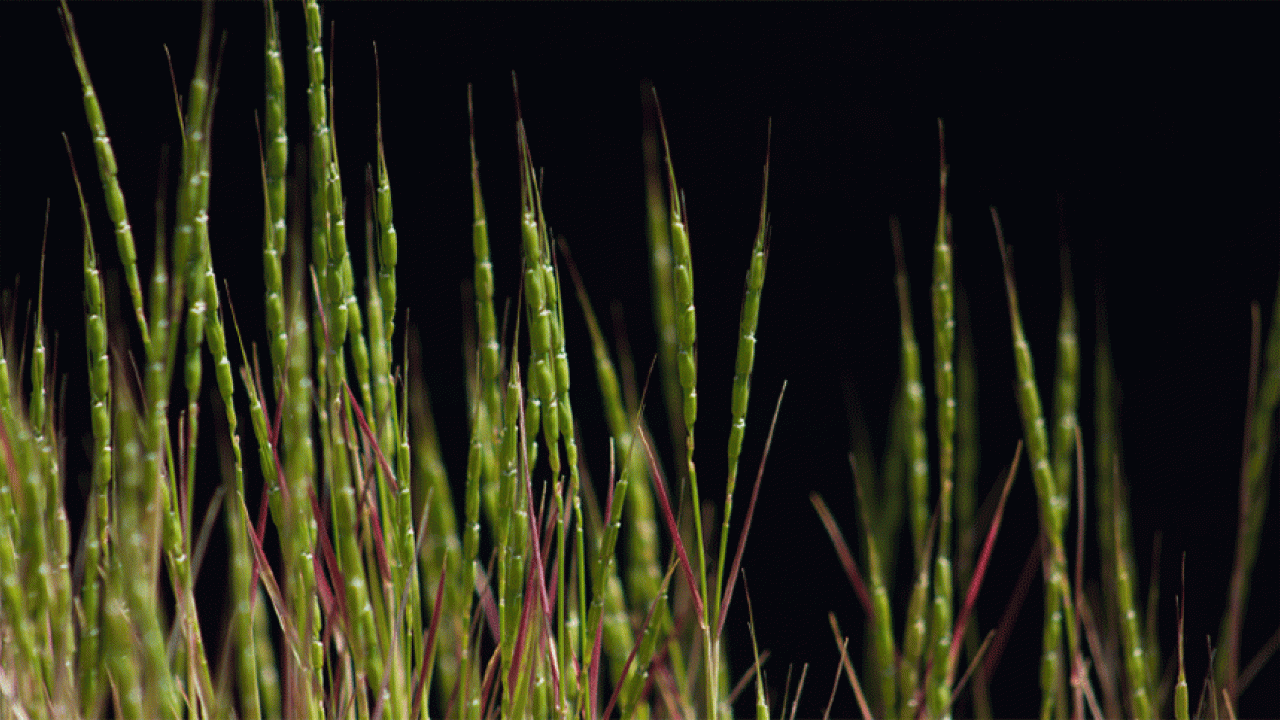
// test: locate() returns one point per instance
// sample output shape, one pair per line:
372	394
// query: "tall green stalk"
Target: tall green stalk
1053	504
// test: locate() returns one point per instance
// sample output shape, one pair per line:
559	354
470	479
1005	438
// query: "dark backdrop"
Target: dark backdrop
1146	136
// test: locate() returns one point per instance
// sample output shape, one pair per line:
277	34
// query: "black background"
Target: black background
1156	126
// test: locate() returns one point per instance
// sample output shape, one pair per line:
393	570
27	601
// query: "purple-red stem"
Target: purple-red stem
980	570
672	527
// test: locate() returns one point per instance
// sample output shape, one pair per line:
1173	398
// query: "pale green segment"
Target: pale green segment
914	635
1180	699
1053	505
361	363
274	239
107	171
1066	386
268	667
917	448
191	223
1052	668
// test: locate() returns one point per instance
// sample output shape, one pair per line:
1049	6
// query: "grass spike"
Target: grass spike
1053	504
107	171
945	393
743	364
913	401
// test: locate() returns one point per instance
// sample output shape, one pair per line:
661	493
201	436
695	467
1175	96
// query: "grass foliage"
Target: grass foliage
362	586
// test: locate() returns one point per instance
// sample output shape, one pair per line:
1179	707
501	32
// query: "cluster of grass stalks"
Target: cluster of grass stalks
360	584
1101	655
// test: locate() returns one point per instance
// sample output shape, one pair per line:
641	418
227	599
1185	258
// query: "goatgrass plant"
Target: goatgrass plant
378	600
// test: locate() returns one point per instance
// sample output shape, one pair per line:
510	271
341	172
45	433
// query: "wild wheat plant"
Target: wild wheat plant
377	599
359	583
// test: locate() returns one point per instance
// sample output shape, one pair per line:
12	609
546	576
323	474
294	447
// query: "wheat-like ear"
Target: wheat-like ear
107	171
743	364
944	335
1054	502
